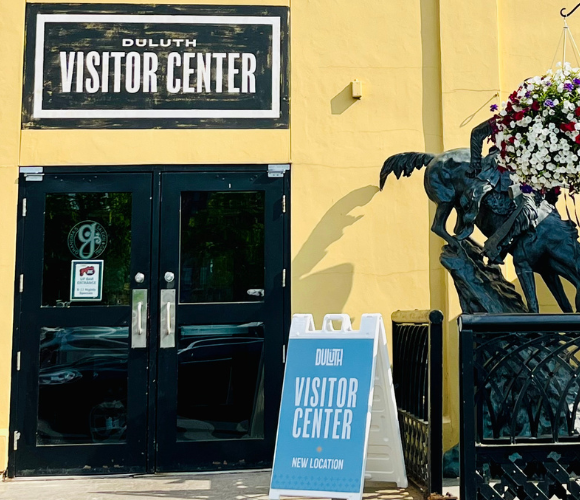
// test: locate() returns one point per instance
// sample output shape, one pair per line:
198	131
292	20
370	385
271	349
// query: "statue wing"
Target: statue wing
404	164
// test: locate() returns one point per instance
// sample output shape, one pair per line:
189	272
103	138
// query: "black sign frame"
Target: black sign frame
220	112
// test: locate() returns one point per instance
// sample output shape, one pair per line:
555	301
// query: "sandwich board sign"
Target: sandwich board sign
338	420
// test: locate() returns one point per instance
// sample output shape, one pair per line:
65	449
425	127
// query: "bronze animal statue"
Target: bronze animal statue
528	227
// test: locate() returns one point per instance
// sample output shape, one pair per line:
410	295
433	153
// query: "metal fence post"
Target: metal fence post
468	487
418	378
436	402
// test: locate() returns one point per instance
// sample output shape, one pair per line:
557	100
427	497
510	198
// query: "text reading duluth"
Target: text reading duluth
185	71
323	409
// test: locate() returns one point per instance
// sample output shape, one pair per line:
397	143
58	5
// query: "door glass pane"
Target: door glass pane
222	247
87	226
82	385
220	388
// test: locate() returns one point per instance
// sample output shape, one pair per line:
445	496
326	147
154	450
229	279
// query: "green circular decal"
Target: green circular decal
87	240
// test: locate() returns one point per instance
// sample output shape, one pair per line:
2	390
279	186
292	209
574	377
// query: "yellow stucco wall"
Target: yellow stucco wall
430	69
355	249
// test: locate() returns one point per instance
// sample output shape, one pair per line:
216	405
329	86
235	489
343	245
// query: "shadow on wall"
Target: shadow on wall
342	101
327	291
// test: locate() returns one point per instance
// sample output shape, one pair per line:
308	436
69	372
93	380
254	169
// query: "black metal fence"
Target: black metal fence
418	379
520	392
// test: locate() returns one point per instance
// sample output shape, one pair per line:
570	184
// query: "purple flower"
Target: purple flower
576	81
528	93
493	107
568	86
547	84
549	103
526	189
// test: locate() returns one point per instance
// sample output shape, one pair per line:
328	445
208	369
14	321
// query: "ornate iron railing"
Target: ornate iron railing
520	424
418	379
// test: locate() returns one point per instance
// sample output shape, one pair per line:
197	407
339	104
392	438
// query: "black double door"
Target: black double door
150	321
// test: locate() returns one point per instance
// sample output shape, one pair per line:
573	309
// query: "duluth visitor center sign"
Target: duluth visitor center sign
132	66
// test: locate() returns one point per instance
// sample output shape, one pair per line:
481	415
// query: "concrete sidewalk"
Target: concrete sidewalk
219	486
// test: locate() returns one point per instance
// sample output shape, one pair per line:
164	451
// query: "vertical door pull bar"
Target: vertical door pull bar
140	327
16	438
167	319
139	319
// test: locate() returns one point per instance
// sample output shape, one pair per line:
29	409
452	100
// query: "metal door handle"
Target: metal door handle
167	319
139	319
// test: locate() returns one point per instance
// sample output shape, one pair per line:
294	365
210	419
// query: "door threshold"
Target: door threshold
210	472
144	475
69	478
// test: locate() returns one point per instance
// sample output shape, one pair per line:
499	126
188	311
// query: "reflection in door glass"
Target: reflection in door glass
82	385
86	226
222	246
220	388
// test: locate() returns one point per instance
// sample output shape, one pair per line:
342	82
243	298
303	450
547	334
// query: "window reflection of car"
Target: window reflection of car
83	384
231	356
83	380
89	271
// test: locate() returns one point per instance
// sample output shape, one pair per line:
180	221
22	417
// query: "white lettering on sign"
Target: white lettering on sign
150	66
163	42
232	71
319	412
173	84
326	463
200	72
203	72
132	72
317	463
300	462
66	70
328	357
80	72
187	72
248	73
92	84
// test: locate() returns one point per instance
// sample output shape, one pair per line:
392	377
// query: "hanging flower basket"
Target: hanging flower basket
538	132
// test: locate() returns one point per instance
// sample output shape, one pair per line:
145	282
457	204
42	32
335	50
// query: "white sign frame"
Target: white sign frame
100	265
383	443
42	19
